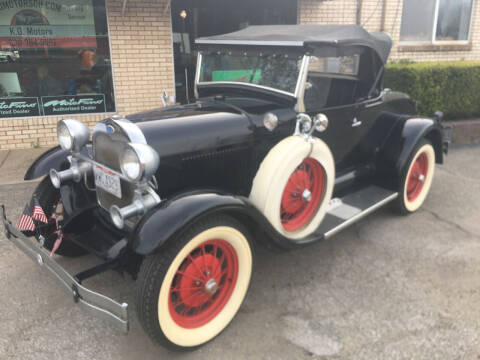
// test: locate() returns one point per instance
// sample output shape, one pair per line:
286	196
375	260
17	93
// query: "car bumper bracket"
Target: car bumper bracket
93	302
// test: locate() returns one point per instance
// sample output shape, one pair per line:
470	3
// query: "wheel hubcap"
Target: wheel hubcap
302	195
203	284
416	177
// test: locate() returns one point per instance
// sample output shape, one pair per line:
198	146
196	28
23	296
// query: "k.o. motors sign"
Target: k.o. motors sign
47	24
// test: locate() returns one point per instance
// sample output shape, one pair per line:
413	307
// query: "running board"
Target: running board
348	210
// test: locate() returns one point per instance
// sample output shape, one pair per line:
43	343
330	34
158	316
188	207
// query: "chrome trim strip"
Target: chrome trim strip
95	303
250	42
372	104
197	74
212	83
360	216
131	130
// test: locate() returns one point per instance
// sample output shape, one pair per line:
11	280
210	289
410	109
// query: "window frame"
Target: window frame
433	40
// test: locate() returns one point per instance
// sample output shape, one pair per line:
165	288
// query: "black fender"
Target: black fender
51	159
398	146
170	217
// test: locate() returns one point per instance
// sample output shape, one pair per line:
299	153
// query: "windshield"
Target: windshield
277	72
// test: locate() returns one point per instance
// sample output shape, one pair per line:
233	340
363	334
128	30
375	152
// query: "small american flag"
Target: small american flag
38	213
26	221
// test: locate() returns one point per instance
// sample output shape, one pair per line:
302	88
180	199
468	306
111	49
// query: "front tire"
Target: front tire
416	178
190	291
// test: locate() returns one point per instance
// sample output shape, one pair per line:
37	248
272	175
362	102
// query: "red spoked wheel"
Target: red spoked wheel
417	176
203	284
416	180
302	195
191	290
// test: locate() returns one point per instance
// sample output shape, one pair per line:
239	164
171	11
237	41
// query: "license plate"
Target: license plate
107	181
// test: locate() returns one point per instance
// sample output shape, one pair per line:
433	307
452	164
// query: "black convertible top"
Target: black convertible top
304	35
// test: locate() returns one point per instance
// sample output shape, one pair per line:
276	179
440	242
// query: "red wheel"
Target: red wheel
302	195
417	176
191	290
203	284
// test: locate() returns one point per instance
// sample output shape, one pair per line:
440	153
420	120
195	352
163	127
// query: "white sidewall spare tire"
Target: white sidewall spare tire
274	173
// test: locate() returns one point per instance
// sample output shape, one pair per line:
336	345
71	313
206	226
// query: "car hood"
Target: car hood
192	128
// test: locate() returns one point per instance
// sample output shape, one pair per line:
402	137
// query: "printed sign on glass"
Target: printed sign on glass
74	104
47	24
19	107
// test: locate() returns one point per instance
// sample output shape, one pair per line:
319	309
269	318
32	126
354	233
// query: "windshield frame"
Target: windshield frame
297	94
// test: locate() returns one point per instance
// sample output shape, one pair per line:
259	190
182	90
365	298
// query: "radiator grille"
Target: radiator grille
107	149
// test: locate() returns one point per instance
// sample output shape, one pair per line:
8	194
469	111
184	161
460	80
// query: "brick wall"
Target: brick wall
344	12
142	65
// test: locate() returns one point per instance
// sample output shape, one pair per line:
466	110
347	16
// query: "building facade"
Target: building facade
89	59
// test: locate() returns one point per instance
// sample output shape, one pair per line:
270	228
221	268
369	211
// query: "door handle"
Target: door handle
356	122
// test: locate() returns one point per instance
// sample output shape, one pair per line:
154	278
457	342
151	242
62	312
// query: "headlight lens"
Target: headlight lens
72	134
65	139
131	166
139	162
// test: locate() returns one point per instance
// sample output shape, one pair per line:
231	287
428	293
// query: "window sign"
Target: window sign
436	21
54	54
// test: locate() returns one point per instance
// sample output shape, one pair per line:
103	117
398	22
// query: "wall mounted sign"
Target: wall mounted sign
47	24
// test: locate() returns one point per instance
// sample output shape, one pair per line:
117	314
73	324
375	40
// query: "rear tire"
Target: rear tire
189	292
416	179
48	196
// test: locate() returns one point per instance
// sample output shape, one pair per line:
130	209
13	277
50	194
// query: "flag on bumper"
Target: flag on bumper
26	221
38	213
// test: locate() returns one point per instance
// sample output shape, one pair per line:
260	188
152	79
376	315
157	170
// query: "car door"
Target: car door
344	130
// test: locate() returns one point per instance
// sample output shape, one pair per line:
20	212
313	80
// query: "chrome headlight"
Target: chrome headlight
72	134
139	161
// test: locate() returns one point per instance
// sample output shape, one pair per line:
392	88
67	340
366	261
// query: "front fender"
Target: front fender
51	159
169	217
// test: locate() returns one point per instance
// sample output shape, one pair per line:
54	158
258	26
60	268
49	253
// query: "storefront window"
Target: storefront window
432	21
54	58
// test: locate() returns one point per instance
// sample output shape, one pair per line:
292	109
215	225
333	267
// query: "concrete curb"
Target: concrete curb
465	131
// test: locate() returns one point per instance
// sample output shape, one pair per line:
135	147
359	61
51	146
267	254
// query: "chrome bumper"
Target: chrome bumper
95	303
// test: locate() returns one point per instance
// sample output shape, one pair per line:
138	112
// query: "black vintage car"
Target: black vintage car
292	139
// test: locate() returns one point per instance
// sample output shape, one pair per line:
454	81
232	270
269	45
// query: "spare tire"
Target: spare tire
294	185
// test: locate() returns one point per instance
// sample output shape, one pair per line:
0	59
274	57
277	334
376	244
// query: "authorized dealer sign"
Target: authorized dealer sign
21	106
75	104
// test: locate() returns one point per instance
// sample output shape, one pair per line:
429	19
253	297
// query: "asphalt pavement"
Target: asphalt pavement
390	287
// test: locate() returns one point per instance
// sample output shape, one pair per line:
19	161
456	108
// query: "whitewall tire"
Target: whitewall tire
294	185
417	178
188	294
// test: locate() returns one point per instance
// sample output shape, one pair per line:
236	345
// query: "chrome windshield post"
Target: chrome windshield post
301	83
197	73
